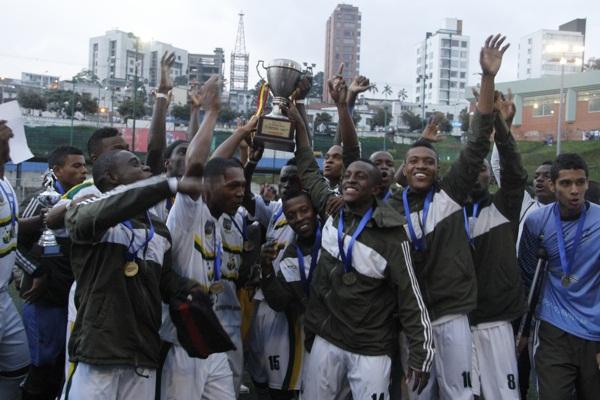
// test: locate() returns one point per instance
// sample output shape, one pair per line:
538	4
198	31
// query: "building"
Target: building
342	44
39	80
442	65
153	52
547	51
202	66
537	106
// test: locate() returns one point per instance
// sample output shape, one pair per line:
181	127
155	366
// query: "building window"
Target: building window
463	44
463	75
542	106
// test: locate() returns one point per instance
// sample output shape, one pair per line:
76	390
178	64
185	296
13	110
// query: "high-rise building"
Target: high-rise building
202	66
443	65
342	44
547	52
154	51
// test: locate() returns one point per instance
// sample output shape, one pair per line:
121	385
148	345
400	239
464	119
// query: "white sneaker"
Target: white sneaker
244	389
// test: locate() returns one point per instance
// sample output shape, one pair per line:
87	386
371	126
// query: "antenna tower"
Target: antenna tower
239	60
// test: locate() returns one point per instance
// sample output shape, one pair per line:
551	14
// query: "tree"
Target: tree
445	125
381	118
412	120
31	99
387	90
181	112
322	118
226	115
180	80
593	63
356	118
88	105
402	95
126	108
316	91
464	118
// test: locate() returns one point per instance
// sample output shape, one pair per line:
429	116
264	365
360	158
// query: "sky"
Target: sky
53	37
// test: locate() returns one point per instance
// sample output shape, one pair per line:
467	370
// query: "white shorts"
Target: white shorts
14	348
276	349
450	377
328	367
100	382
495	374
184	377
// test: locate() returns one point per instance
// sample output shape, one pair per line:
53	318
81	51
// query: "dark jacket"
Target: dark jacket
364	318
118	317
445	269
500	290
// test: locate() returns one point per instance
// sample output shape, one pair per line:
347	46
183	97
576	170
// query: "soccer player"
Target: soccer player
567	333
435	222
121	261
363	278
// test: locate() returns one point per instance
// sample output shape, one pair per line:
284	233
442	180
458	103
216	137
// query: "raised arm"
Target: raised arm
158	140
254	156
195	106
199	147
301	92
308	169
229	146
339	93
463	174
359	85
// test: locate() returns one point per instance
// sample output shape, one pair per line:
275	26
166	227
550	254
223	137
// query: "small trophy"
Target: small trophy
275	130
48	198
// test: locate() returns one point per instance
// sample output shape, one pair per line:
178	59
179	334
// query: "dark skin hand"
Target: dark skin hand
268	252
38	288
419	378
334	205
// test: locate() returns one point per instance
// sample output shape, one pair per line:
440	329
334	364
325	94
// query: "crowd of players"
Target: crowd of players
360	282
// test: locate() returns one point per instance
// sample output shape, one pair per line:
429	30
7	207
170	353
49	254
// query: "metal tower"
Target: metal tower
239	60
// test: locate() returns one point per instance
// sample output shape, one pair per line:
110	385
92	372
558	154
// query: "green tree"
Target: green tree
31	99
402	95
181	111
180	80
226	115
445	125
464	118
412	120
316	91
381	118
321	118
593	63
356	118
387	90
126	108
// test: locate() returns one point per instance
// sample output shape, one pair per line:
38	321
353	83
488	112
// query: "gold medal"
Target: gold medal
131	269
349	278
217	287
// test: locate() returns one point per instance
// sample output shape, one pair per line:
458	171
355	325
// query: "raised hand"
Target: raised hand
506	106
268	252
210	93
337	87
249	127
431	131
303	87
195	95
359	85
490	57
166	62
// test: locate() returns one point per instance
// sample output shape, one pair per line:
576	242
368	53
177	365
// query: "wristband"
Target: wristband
161	95
300	101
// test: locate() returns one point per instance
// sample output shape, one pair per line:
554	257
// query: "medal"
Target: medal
349	278
131	269
248	245
217	287
566	260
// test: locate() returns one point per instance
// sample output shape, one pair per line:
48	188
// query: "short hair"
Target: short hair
95	141
567	161
291	161
547	162
217	166
295	192
423	143
59	155
103	166
171	148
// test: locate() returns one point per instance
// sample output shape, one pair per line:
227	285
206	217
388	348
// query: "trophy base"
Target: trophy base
51	251
275	133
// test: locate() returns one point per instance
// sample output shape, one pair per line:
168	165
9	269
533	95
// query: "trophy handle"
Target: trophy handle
260	62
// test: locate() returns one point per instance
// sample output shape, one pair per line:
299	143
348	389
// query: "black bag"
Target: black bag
198	329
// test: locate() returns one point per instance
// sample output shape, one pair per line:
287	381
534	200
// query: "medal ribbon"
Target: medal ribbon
218	249
314	253
387	196
263	96
565	262
467	224
241	230
130	252
418	243
59	187
13	208
347	256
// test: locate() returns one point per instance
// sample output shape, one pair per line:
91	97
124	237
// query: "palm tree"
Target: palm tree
402	95
387	90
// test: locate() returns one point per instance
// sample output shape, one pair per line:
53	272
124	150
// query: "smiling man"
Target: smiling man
568	314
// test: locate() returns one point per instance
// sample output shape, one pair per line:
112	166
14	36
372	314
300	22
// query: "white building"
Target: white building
39	80
541	52
154	51
442	65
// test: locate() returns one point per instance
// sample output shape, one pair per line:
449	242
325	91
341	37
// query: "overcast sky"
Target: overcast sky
52	37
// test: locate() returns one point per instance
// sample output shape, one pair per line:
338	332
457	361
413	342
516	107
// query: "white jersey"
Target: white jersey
9	210
271	216
196	242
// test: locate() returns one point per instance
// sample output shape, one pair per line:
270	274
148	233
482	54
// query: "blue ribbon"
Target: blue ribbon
347	256
241	230
59	187
314	253
13	208
130	252
418	243
565	262
467	225
387	196
218	258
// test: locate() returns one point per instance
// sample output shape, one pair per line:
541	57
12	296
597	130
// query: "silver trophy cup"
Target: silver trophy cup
275	130
48	198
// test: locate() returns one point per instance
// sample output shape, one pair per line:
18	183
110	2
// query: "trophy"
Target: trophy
275	130
48	198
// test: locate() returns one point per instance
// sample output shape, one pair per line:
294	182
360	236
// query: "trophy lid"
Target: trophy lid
286	63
